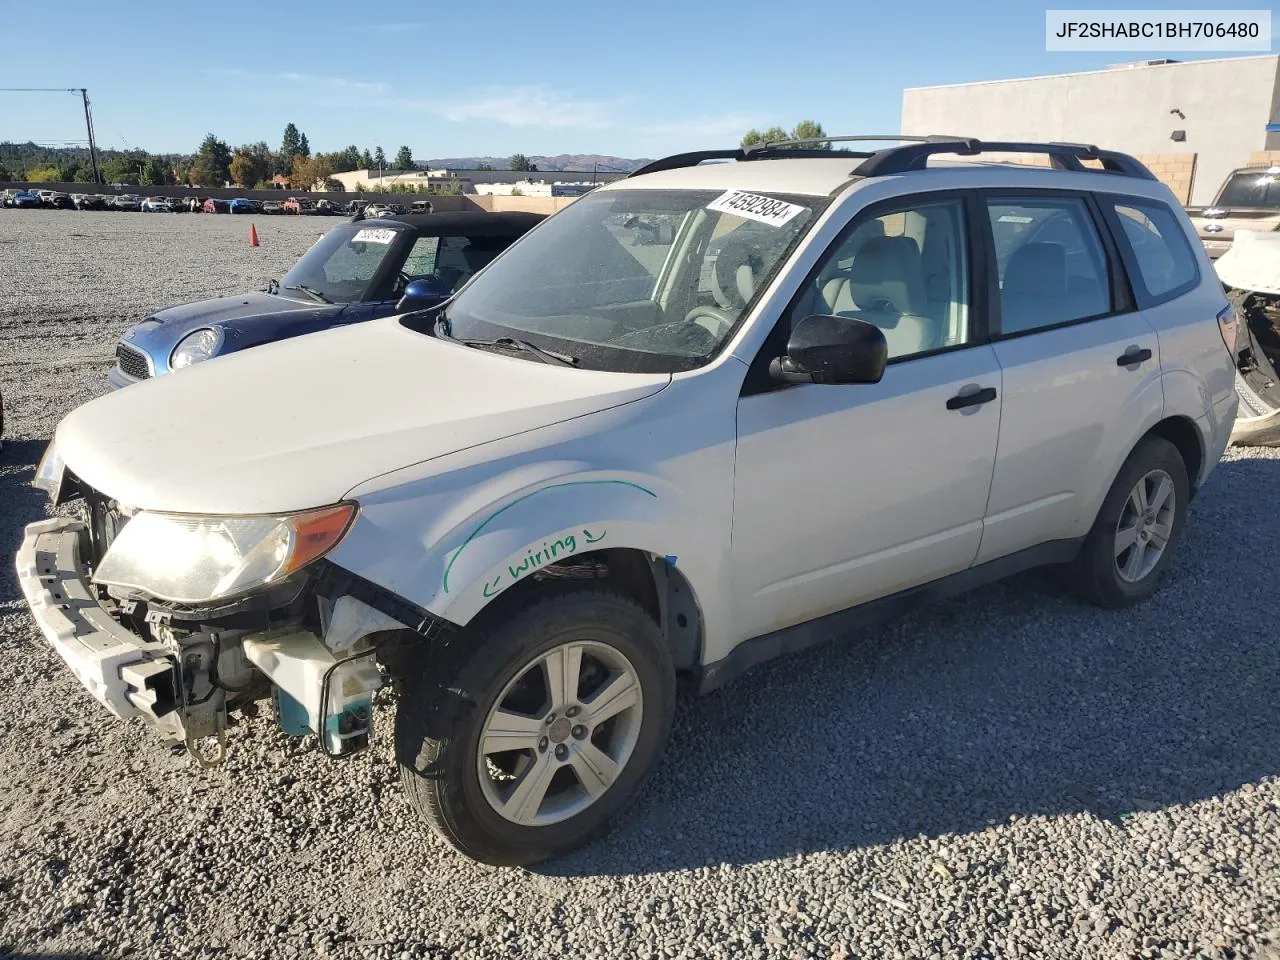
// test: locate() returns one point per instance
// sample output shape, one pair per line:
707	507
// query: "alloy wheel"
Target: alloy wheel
1145	526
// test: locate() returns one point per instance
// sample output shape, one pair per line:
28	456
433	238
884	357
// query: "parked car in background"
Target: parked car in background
358	271
1249	199
272	206
128	202
194	204
355	207
60	201
27	198
327	208
421	206
46	197
384	210
91	201
298	205
155	205
6	198
217	205
245	205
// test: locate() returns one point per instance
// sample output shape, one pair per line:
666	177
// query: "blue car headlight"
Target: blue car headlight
196	347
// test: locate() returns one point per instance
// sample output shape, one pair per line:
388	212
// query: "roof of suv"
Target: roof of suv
796	167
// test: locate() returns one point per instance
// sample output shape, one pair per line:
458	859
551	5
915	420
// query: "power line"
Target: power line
88	118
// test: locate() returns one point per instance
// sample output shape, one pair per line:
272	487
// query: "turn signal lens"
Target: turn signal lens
316	533
1229	327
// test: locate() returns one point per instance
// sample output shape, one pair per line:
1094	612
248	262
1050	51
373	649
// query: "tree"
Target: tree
155	172
520	163
291	143
4	173
404	159
366	160
754	136
73	172
379	159
246	168
484	166
213	163
810	130
304	147
308	171
42	175
126	167
347	160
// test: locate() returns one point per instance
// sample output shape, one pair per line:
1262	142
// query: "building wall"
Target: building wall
1226	105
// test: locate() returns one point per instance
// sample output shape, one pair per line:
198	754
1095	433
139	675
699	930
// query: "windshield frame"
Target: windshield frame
605	357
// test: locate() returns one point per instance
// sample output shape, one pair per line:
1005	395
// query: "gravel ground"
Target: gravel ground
1007	774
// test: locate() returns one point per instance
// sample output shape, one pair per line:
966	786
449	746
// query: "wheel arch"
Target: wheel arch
1185	436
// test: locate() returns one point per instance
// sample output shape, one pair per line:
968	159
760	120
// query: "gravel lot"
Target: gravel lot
1007	774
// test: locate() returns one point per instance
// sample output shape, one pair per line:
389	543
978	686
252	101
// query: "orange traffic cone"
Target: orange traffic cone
253	235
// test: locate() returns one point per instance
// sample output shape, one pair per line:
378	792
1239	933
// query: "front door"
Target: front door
843	494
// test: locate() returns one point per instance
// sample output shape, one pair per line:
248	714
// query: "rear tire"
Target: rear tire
1137	529
455	722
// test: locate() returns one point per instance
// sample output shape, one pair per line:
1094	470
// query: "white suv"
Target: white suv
704	416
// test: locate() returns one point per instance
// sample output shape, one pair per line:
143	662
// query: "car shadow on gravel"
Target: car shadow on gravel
20	504
1015	701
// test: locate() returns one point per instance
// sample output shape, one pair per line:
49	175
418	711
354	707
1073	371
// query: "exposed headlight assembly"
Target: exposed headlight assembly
51	470
196	347
192	559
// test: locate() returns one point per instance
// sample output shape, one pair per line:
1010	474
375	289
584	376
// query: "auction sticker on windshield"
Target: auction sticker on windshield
372	235
752	206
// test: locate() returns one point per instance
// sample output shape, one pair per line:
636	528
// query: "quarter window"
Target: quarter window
1051	262
1165	262
906	271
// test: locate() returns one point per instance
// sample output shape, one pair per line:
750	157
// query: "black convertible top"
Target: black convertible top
466	224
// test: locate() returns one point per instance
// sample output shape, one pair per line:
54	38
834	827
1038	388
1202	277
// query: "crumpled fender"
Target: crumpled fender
1252	263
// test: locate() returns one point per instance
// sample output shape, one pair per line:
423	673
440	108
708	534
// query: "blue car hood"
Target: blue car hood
246	320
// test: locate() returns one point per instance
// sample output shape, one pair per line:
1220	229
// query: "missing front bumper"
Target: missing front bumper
127	675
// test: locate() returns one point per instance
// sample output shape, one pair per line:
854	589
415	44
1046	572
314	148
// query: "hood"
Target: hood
1252	263
298	424
177	322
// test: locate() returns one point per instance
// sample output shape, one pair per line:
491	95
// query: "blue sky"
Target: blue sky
463	79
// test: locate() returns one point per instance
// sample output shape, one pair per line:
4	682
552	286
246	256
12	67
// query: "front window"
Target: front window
634	280
1251	188
344	264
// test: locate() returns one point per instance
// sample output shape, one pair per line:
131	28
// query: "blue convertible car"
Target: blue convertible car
361	270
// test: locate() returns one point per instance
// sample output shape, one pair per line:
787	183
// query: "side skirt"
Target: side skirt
751	653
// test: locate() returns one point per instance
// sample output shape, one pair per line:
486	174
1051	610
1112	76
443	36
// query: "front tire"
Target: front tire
1138	528
528	745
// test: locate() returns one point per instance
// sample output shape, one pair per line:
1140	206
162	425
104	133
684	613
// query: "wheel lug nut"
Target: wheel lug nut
579	732
562	752
542	745
572	712
551	718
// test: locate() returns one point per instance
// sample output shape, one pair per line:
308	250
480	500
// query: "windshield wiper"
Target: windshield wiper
273	286
444	329
310	291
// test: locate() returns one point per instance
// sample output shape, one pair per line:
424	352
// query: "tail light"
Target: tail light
1229	327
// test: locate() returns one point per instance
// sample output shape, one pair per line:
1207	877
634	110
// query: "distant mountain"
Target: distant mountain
562	161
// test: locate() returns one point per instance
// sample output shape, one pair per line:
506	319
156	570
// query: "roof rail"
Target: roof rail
914	154
1063	156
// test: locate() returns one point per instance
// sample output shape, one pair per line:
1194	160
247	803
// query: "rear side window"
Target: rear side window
1052	265
1166	267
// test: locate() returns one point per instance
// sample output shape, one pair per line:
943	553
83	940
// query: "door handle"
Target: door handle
978	397
1132	356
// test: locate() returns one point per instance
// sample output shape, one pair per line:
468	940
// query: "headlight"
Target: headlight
195	347
190	559
49	474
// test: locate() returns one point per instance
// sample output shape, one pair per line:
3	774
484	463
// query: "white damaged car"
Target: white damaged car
816	388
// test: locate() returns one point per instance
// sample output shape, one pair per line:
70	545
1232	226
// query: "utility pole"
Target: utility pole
93	147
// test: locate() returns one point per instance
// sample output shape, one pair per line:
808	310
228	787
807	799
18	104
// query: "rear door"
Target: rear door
1080	366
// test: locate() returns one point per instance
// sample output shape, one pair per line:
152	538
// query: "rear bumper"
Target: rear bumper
128	676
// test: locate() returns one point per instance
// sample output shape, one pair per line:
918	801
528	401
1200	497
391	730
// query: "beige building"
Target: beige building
444	180
1192	122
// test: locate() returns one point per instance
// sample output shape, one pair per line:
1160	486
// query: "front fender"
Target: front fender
477	557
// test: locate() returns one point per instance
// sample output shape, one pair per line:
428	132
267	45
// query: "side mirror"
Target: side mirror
826	349
419	295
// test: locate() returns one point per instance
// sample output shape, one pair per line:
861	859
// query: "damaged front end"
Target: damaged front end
1250	272
310	640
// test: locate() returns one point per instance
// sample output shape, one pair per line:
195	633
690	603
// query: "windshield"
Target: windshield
633	280
345	263
1251	188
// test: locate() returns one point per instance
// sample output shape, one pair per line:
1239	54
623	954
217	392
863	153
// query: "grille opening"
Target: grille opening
132	363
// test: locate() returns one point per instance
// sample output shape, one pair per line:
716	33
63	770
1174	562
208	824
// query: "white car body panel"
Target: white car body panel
1252	263
297	440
